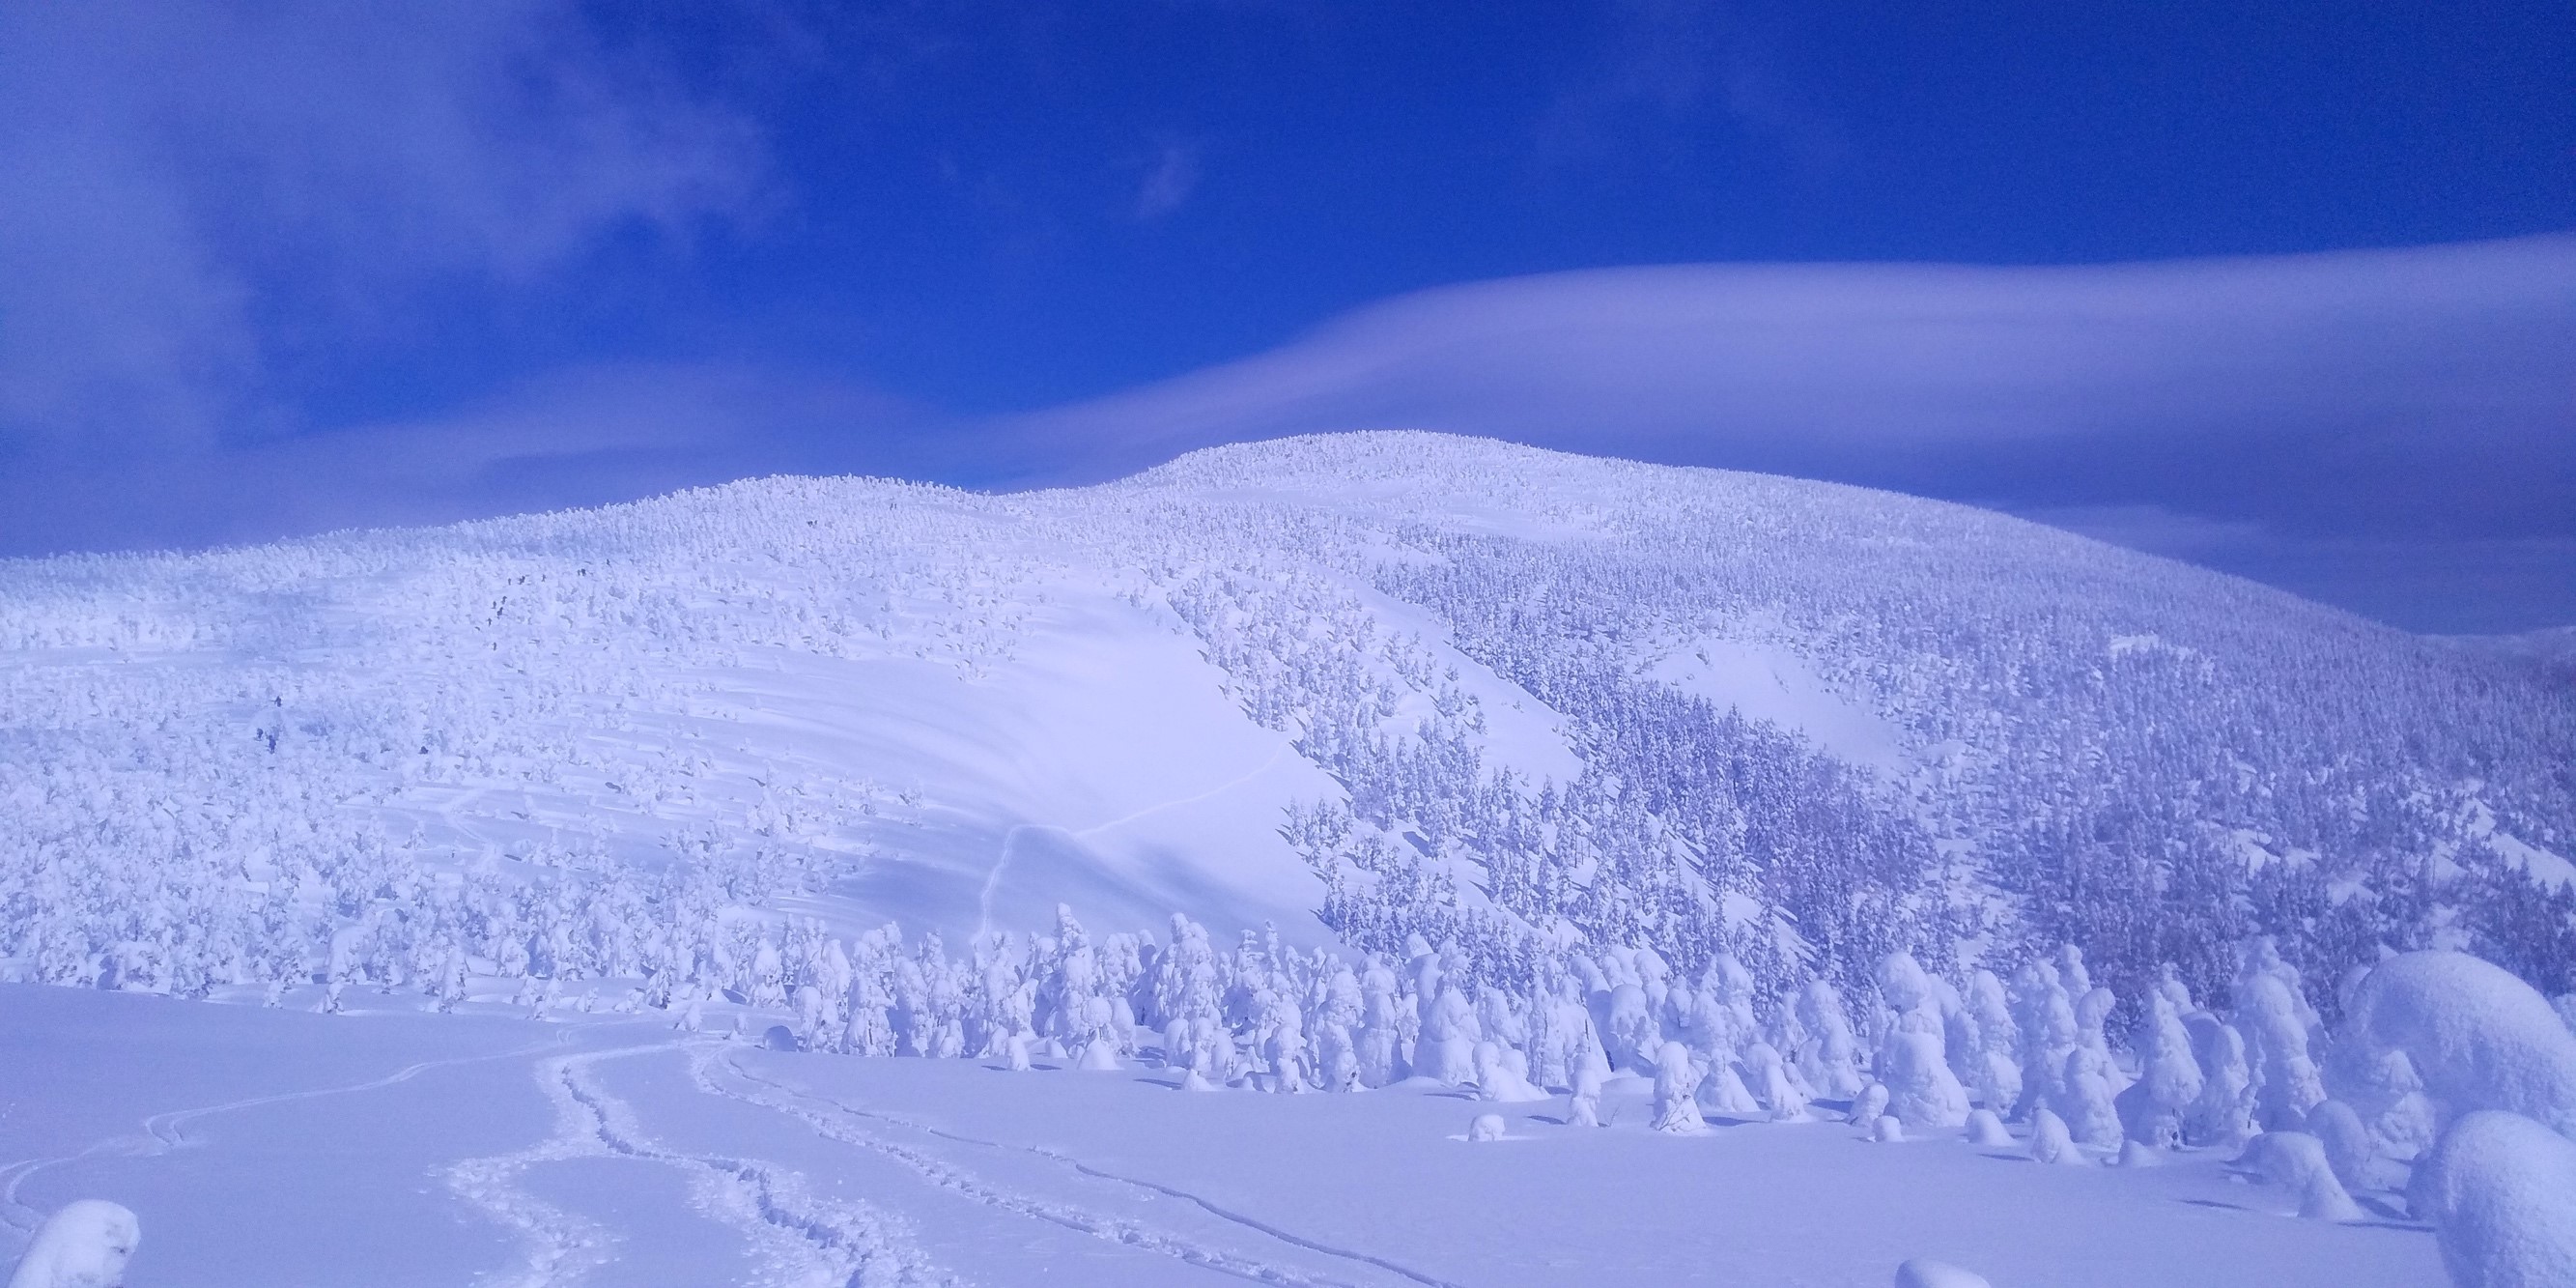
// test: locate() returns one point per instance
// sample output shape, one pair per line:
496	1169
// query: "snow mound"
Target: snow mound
84	1244
1986	1130
2297	1161
2478	1037
1923	1272
1486	1127
2500	1191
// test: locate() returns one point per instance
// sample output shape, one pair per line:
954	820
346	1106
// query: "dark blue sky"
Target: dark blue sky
271	267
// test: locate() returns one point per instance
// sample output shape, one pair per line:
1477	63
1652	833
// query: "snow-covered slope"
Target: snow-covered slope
1360	686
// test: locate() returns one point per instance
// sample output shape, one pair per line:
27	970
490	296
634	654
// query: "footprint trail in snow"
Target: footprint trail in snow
1134	1214
799	1239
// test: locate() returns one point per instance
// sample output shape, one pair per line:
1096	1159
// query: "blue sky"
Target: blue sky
2284	289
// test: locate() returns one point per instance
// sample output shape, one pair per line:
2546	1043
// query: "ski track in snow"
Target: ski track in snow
799	1238
166	1131
837	1121
1010	839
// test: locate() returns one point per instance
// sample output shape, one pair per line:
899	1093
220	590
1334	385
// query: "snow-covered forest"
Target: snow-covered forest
1324	764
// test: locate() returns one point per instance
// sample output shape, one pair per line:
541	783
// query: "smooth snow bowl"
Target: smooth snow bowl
84	1244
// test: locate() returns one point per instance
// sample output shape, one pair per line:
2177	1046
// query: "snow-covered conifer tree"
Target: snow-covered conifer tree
1828	1059
1447	1051
2045	1018
2083	1099
2223	1115
2169	1081
870	1031
1283	1044
2274	1023
1995	1064
1380	1047
1630	1034
1775	1084
1912	1062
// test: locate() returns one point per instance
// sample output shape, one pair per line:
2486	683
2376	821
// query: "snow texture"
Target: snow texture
84	1244
1922	1272
2500	1191
2478	1037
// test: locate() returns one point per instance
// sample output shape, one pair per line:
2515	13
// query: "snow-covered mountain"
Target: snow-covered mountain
1359	686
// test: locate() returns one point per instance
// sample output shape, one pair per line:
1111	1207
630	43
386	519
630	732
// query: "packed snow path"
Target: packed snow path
281	1148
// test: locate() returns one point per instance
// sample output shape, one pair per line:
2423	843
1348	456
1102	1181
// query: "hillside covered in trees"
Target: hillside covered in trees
1512	700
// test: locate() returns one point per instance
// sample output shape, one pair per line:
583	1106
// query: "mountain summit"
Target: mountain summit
1366	686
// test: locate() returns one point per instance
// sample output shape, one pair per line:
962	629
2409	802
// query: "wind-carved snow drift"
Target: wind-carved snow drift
1385	688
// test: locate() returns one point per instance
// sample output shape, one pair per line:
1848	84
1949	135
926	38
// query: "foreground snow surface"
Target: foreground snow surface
280	1148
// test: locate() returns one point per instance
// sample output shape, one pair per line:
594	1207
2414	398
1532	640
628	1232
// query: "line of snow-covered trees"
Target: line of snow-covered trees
2449	1086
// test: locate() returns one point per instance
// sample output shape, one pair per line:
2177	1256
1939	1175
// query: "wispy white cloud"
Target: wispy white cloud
200	197
1791	361
2417	399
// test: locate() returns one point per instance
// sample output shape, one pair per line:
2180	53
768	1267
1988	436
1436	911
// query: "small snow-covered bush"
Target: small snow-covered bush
1986	1130
2049	1141
2297	1161
84	1244
1583	1105
1486	1127
1868	1105
1677	1091
2500	1192
1497	1080
1723	1091
1100	1055
2349	1149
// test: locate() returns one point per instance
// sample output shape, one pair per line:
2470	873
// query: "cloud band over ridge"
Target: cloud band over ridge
2294	416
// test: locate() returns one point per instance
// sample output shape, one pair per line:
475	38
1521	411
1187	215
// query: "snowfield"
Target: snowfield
494	1150
825	881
